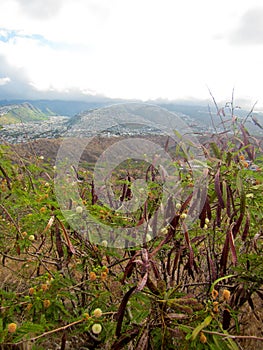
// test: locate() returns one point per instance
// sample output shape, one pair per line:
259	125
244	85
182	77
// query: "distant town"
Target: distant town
46	123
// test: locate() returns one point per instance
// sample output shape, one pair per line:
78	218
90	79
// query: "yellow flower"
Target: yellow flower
183	216
92	276
245	164
46	303
164	230
103	275
178	206
86	316
96	328
97	312
215	306
203	338
214	294
44	287
79	209
12	327
226	294
24	234
31	291
104	243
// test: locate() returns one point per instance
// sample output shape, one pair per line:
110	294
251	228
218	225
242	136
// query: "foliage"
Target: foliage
182	289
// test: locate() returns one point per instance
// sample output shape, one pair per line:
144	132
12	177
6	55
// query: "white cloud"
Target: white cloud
40	9
250	28
132	49
5	80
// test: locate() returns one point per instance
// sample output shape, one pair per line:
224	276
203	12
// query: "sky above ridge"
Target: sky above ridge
132	49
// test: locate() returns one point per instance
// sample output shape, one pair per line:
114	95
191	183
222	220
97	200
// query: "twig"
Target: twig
217	108
48	332
12	257
8	180
10	218
56	330
212	120
249	114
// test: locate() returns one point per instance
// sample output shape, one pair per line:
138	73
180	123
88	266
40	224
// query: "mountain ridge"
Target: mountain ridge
22	112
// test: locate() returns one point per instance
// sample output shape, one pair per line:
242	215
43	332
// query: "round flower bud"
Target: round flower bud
215	307
207	220
183	216
96	328
103	275
203	338
214	294
104	243
46	303
178	206
226	294
12	327
31	291
164	230
79	209
44	287
31	238
97	312
92	276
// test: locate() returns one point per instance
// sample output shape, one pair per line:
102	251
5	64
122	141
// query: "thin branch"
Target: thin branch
212	120
12	257
48	333
249	114
217	108
10	218
8	180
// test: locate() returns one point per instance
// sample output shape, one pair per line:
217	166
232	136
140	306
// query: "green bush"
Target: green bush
183	289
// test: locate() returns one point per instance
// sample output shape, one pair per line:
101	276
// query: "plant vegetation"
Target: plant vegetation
183	289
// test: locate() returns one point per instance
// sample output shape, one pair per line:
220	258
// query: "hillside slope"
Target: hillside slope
24	112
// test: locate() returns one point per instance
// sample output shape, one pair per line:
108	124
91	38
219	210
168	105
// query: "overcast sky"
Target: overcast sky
138	49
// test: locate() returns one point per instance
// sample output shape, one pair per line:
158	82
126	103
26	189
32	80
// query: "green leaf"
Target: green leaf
219	280
201	326
215	150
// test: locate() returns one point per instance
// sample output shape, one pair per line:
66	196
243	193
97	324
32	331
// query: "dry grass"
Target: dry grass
251	324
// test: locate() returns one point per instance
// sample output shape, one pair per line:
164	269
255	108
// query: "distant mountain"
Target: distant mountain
195	114
72	108
63	107
23	112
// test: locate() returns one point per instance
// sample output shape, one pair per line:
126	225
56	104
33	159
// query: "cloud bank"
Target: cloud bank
131	49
